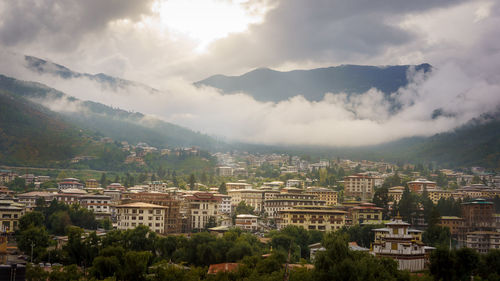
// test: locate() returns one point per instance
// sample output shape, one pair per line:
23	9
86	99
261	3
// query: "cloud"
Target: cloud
63	24
336	120
460	40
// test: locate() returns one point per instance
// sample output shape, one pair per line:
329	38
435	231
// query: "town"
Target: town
270	204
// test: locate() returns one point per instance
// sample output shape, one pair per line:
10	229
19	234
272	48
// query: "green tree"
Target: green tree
192	182
36	236
381	199
222	188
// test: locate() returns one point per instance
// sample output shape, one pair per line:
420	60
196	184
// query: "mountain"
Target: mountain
106	121
269	85
32	134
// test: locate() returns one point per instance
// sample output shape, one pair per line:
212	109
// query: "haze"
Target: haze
168	45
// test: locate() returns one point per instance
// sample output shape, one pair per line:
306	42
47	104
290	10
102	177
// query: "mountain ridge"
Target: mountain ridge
265	84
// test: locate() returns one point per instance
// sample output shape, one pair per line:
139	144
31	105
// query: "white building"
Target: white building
225	203
247	222
132	215
397	243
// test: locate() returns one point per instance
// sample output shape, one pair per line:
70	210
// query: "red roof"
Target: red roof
223	267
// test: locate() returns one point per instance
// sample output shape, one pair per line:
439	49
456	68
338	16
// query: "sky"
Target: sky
169	45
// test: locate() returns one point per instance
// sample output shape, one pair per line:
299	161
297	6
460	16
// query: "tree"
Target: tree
31	219
442	264
36	237
58	222
222	188
204	178
103	180
192	182
211	222
243	208
381	199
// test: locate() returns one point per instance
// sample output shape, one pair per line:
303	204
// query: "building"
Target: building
436	194
419	185
325	194
366	213
10	213
70	183
91	183
139	213
295	183
99	204
288	200
203	208
225	203
396	242
247	222
483	241
156	186
225	171
359	185
29	198
237	185
172	215
396	192
320	218
252	197
478	215
7	176
454	223
478	218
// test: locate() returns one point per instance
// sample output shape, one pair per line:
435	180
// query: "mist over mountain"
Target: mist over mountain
265	84
121	125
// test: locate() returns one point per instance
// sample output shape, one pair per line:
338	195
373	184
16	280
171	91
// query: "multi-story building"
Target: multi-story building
237	185
203	207
325	194
134	214
419	185
366	213
225	171
225	203
321	218
156	186
359	185
29	198
172	222
247	222
10	213
287	200
396	192
294	183
436	194
454	223
70	183
398	243
483	241
252	197
478	215
99	204
7	176
478	223
91	183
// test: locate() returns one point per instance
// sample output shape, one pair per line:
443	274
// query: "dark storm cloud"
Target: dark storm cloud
62	23
314	30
